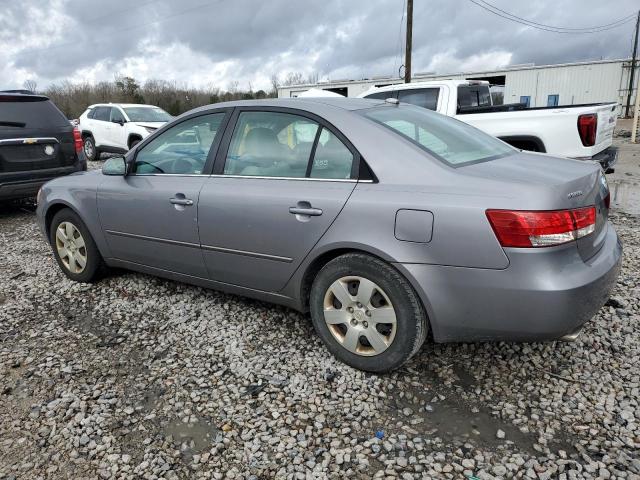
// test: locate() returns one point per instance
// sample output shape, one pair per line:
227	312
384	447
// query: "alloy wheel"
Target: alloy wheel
88	148
71	247
360	315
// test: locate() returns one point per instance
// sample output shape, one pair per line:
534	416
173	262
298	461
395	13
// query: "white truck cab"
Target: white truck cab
116	128
575	131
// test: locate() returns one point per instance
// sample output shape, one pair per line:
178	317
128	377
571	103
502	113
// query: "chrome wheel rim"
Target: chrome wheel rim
88	148
71	247
360	316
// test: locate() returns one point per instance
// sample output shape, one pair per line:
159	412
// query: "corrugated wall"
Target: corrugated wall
574	84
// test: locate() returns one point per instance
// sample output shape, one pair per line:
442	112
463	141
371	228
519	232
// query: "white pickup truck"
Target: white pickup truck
575	131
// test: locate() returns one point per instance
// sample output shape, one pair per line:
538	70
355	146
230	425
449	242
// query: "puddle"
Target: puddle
625	195
198	436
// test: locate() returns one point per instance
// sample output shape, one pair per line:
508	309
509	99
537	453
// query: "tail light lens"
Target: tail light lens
77	139
587	128
518	228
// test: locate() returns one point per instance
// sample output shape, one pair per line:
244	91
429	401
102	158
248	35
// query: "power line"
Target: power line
399	43
621	20
549	28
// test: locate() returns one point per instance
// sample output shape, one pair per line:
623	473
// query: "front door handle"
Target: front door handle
309	211
181	201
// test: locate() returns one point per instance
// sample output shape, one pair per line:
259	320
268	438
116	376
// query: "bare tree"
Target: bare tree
30	85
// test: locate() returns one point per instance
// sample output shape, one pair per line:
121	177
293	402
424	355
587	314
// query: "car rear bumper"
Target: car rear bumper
607	158
540	296
26	184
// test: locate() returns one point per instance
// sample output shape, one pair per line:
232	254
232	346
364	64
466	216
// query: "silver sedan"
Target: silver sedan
387	222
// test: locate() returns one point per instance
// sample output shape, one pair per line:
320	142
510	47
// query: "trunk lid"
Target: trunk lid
543	182
34	135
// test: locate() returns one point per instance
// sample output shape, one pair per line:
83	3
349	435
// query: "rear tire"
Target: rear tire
380	322
90	150
74	247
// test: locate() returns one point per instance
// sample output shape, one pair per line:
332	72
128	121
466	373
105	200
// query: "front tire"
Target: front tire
74	248
367	313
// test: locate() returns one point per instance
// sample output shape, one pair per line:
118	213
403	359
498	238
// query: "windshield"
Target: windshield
147	114
451	141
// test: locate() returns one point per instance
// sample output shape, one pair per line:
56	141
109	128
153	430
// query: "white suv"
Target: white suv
116	128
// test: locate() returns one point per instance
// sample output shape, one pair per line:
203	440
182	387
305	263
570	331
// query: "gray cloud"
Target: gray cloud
224	41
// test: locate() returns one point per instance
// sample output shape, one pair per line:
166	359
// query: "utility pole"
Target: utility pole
407	52
633	66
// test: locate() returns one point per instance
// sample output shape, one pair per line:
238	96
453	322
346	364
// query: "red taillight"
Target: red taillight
587	128
518	228
77	139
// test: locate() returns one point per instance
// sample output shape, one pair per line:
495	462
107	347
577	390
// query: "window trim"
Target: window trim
213	150
221	157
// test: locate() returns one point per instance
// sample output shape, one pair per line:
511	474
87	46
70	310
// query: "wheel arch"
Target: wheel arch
86	133
322	258
523	141
51	212
132	137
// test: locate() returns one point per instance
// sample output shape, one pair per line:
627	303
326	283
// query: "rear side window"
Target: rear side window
422	97
284	145
332	159
474	96
451	141
382	95
30	114
271	144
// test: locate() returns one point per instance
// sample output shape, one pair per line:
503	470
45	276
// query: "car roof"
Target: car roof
307	103
123	105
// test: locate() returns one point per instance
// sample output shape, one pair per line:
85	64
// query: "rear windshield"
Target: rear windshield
449	140
16	115
147	114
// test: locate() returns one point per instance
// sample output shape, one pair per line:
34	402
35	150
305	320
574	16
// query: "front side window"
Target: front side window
183	149
422	97
102	113
147	114
116	115
451	141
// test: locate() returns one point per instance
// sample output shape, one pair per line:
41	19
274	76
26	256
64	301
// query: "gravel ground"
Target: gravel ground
138	377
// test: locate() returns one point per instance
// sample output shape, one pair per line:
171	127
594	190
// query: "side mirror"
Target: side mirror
116	166
118	121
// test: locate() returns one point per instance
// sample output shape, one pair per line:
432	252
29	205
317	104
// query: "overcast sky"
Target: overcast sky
218	42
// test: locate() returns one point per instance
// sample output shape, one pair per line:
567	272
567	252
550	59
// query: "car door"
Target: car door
149	217
117	130
101	128
281	178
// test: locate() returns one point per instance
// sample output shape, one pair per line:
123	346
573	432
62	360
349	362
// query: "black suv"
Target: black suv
37	143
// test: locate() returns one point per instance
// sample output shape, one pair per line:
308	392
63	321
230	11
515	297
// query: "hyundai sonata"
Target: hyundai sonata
387	222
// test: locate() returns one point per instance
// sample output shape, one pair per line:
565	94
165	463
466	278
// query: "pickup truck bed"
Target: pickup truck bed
582	131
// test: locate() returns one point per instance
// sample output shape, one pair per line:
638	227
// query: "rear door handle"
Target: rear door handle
181	201
311	212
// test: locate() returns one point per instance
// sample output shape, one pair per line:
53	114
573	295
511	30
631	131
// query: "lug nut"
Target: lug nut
365	324
359	305
354	322
350	309
368	313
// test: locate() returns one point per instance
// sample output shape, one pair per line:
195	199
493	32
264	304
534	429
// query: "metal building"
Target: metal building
544	85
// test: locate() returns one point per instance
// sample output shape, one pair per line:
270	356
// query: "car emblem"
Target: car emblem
575	194
49	150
